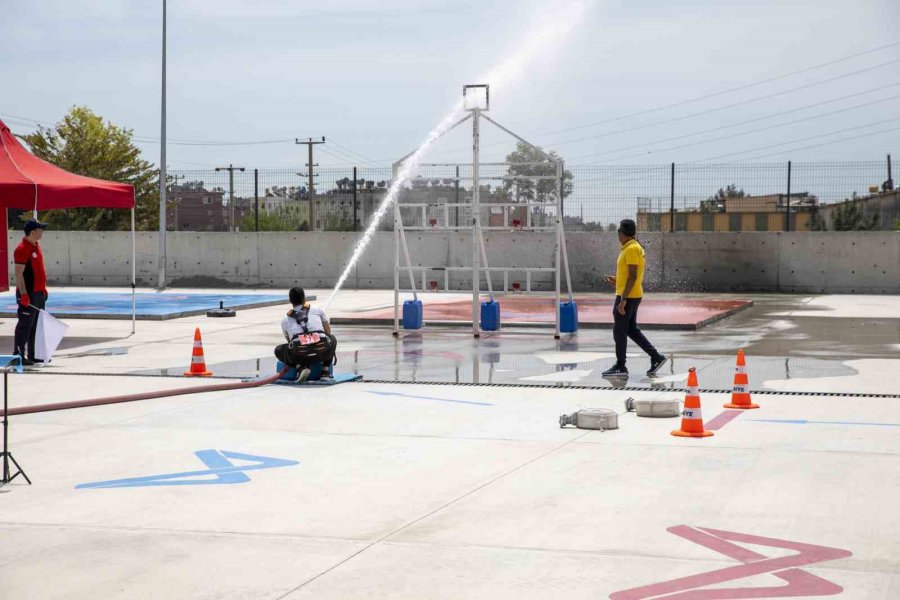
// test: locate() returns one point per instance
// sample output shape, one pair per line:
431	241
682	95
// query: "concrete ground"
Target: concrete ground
438	490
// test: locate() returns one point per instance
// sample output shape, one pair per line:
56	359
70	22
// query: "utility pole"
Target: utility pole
175	200
309	172
231	169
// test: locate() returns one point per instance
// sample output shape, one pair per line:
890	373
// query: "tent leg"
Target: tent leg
133	271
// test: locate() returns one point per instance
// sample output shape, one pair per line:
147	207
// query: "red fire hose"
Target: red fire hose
218	387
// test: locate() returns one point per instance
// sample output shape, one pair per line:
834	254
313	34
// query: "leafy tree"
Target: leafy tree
896	224
83	143
817	223
269	221
721	198
850	217
530	190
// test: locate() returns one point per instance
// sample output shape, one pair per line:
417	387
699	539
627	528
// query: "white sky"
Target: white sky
375	77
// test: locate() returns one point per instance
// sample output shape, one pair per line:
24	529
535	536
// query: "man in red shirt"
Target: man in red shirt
31	288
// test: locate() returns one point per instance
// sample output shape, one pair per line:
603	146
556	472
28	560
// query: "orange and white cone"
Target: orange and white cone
691	417
740	395
198	363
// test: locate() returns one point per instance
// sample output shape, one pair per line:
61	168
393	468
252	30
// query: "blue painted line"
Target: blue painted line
805	422
153	304
222	471
430	398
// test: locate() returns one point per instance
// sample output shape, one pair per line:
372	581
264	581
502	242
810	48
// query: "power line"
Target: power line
732	105
698	113
847	139
750	131
754	120
354	153
727	91
821	135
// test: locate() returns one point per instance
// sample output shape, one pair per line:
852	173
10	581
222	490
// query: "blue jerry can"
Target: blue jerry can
490	316
412	314
291	373
568	317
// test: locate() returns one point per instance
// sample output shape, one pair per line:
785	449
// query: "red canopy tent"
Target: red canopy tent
27	182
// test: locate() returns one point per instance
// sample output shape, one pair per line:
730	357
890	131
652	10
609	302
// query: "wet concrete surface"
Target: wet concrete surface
593	311
783	341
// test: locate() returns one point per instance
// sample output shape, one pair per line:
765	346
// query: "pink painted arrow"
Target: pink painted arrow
799	582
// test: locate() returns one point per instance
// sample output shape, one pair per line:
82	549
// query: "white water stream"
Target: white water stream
548	31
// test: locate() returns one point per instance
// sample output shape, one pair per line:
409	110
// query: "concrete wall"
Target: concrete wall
821	262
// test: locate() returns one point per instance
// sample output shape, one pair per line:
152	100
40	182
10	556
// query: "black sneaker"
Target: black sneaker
656	364
615	371
26	362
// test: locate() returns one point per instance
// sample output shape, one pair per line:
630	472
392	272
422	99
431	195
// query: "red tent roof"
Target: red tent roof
27	182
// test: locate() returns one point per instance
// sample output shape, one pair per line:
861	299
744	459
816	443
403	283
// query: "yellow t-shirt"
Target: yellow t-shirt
632	254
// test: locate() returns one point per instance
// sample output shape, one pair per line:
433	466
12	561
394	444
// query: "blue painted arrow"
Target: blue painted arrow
429	398
805	422
223	471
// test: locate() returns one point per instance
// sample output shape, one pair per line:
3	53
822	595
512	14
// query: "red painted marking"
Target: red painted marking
799	582
592	309
723	419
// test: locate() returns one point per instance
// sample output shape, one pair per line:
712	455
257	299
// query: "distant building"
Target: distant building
191	207
747	213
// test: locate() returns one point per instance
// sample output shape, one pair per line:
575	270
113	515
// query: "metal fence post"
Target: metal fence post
256	197
355	204
787	209
672	201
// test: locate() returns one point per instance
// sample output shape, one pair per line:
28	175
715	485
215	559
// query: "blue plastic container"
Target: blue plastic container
568	317
490	316
315	371
291	373
412	314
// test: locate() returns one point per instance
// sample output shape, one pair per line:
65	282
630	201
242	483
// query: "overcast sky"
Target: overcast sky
375	77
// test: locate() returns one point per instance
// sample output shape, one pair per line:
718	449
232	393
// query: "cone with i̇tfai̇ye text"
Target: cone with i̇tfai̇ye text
691	417
740	396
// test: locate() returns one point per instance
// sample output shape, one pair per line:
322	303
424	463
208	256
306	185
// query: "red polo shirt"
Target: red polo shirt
29	254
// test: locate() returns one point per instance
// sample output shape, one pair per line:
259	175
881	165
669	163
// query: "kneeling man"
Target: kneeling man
308	335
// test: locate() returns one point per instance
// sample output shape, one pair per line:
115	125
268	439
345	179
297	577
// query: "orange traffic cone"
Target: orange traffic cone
198	363
691	417
740	396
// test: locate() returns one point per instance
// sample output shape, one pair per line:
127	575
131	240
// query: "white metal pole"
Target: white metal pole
561	170
558	253
162	164
396	260
476	223
133	272
487	271
412	281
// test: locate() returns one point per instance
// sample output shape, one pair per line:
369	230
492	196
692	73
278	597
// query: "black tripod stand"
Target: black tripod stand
6	454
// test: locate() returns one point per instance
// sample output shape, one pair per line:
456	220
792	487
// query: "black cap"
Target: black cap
627	227
31	225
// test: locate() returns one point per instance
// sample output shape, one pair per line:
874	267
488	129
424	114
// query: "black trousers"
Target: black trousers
26	328
284	354
625	326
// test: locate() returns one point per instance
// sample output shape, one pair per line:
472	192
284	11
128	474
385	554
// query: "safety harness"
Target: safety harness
310	345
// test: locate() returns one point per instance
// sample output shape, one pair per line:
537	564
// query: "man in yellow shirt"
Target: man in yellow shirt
629	279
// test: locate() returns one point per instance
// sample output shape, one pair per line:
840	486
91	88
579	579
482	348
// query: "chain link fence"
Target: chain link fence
674	197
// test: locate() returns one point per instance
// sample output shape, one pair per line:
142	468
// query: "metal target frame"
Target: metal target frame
479	253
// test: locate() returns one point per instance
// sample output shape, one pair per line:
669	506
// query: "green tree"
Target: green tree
721	198
530	190
83	143
269	221
850	217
